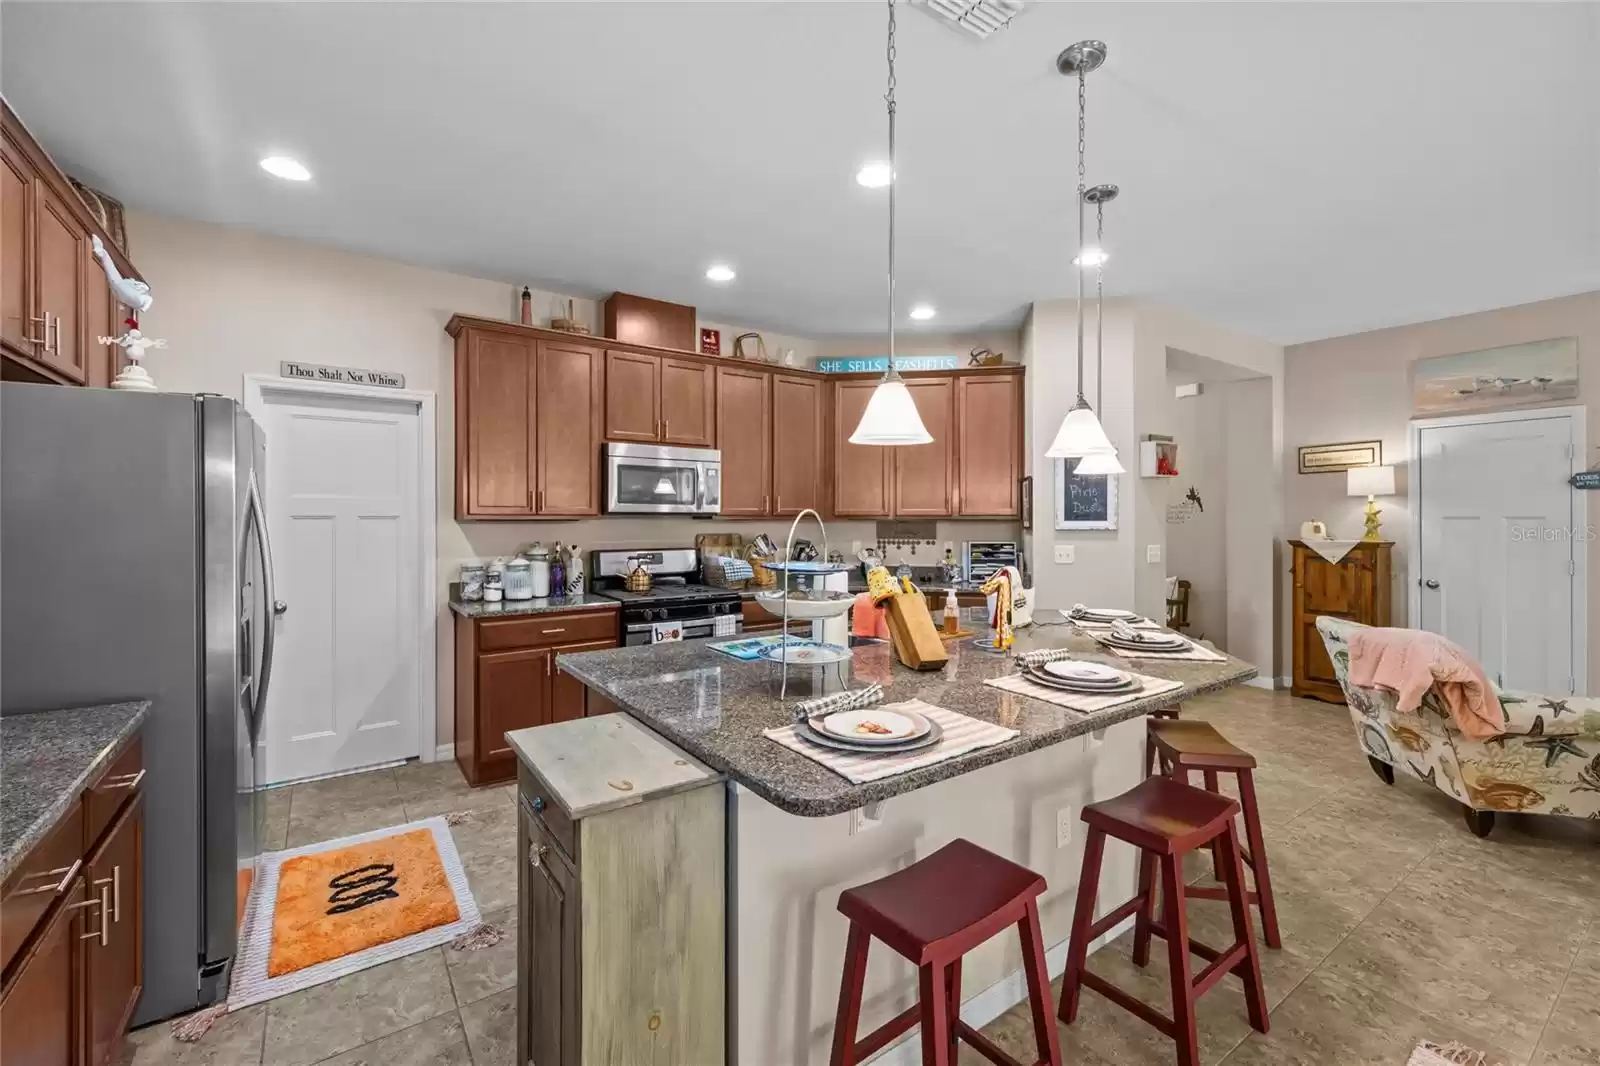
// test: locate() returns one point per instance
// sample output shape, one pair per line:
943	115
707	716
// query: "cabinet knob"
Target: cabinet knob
1430	583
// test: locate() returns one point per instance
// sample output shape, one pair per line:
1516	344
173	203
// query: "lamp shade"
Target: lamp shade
1080	434
1370	481
1100	463
891	418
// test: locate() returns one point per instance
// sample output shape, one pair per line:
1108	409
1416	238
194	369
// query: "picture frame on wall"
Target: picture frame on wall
1345	455
1026	491
1084	501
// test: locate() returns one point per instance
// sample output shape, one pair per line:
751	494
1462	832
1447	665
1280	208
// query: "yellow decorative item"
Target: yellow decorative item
880	585
1370	481
1000	586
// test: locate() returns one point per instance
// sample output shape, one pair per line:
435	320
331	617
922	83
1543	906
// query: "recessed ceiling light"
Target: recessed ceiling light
1091	257
281	166
874	175
923	312
720	272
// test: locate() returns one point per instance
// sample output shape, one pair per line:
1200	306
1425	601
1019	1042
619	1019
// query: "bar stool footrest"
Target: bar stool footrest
1130	1003
886	1033
987	1048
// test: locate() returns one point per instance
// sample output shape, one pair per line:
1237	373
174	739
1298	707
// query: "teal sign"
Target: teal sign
1585	479
877	364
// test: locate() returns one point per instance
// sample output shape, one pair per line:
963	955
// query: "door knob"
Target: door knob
1431	583
279	606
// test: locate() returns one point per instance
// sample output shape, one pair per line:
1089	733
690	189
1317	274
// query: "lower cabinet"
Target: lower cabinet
506	678
547	950
69	995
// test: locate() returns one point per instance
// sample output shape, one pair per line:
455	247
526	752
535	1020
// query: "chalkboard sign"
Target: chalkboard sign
1085	501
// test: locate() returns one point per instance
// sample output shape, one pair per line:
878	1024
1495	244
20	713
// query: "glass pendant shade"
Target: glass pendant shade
664	488
891	417
1080	434
1100	463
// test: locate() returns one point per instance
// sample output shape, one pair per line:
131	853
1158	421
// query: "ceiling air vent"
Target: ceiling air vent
979	18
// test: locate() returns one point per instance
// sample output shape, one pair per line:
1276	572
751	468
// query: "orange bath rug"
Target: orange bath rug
330	909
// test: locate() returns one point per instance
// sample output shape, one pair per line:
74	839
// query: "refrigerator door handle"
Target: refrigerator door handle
269	635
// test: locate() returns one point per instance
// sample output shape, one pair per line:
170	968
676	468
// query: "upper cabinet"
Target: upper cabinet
657	400
528	422
924	474
797	451
861	472
744	428
55	303
988	464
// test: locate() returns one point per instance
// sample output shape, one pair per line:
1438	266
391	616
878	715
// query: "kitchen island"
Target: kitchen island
798	833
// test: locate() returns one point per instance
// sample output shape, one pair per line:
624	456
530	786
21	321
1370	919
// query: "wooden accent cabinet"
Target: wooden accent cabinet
55	302
528	423
506	679
744	428
1357	587
73	916
989	420
658	400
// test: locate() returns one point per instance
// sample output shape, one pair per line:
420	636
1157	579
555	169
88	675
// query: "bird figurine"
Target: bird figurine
130	292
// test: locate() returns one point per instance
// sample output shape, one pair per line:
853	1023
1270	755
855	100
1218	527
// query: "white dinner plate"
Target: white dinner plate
1072	670
854	725
1108	612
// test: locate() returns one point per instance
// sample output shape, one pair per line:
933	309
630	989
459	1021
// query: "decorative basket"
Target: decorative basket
568	323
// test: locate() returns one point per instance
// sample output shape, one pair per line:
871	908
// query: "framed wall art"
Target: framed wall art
1345	455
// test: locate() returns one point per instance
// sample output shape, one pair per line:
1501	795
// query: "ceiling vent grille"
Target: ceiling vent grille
978	18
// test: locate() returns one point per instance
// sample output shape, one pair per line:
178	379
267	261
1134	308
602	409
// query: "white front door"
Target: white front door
1500	548
343	504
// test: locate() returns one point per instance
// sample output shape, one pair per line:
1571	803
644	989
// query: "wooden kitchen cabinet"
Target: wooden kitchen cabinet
548	948
528	426
113	976
797	444
55	302
988	462
1356	587
744	428
924	474
861	472
655	400
506	679
40	1014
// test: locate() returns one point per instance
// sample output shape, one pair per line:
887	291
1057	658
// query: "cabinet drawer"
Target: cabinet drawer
536	630
112	791
547	812
32	887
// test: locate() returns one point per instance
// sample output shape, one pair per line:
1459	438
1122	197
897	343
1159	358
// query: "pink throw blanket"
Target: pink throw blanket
1408	661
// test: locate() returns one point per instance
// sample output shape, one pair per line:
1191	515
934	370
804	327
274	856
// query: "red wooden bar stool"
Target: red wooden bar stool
1165	820
1183	747
933	912
1173	713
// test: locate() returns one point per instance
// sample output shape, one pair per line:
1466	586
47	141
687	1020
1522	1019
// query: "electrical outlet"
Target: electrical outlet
1064	822
855	549
865	819
1152	553
1066	553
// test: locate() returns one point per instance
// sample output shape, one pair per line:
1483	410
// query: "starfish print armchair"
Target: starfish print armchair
1545	761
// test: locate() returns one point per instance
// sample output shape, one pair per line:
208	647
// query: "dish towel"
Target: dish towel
1079	701
1192	653
962	734
1330	549
839	701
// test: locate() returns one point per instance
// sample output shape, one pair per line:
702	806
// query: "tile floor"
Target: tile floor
1398	926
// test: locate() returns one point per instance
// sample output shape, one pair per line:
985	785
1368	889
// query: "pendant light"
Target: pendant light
1100	462
891	416
1081	433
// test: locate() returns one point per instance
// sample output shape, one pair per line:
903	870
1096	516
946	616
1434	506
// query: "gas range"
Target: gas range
673	598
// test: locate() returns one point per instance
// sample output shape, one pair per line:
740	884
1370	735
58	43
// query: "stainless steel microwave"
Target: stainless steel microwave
653	479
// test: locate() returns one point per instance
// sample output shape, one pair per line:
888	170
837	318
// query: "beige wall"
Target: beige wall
230	302
1358	388
1196	545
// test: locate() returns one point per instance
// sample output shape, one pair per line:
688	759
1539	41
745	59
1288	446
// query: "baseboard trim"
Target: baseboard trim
1267	683
1286	683
444	753
995	1000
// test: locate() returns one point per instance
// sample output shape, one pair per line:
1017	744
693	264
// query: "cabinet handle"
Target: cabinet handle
67	874
537	853
116	893
666	429
104	903
56	348
127	781
541	500
530	499
557	629
45	340
547	659
766	504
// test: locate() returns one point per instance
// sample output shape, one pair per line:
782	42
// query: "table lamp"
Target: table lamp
1370	481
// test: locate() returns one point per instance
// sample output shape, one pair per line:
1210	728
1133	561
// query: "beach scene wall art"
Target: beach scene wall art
1516	375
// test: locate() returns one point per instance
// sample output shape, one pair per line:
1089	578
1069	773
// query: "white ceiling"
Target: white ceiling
1292	170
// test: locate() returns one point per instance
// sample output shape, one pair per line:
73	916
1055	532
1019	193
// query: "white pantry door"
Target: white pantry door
343	503
1499	554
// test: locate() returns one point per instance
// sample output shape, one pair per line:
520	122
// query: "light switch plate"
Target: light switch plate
1066	553
1152	553
1063	827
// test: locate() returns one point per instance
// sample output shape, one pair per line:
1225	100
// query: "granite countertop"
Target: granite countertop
542	605
47	759
715	707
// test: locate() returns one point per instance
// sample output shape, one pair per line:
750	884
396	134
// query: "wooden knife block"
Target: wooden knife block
916	640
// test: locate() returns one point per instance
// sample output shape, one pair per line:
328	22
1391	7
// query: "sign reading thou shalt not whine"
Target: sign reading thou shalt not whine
344	375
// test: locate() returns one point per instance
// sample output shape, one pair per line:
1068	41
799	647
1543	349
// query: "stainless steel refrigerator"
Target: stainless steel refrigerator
134	563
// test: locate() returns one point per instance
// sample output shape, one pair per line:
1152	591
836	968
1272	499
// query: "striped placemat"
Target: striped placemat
1195	653
962	734
1078	701
1087	624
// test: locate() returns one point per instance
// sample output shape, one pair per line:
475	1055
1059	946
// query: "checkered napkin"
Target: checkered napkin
1084	703
734	569
839	701
1191	652
1076	618
1042	656
962	734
